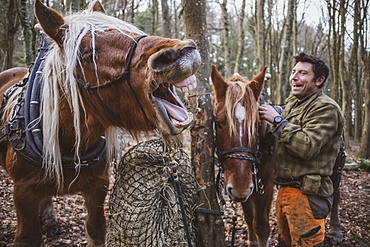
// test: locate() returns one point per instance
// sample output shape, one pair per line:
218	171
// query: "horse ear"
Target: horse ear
97	6
51	21
257	83
219	83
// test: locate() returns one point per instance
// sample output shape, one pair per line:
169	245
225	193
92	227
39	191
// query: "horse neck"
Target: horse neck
90	129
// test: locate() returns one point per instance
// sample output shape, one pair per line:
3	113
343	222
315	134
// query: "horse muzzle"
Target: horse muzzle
239	195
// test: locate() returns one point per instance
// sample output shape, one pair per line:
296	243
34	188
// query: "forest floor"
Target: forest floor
354	213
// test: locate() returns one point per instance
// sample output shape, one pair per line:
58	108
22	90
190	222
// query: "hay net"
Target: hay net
144	208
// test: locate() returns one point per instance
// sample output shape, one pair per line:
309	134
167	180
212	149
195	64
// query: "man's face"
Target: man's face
302	82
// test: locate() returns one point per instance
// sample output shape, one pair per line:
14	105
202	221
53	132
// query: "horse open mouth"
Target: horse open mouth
171	109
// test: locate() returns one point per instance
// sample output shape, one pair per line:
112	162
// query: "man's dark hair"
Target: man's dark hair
319	67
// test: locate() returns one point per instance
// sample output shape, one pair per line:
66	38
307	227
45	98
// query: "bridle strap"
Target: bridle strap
252	151
124	75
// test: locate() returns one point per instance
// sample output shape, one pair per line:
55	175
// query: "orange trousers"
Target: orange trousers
297	225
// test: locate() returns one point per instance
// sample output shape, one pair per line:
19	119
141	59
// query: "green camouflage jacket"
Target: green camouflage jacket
307	140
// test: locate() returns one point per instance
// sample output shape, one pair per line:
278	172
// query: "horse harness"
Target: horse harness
24	129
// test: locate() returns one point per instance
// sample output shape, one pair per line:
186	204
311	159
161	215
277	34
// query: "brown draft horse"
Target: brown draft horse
238	128
85	95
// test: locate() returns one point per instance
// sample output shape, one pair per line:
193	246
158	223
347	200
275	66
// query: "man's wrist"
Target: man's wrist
277	120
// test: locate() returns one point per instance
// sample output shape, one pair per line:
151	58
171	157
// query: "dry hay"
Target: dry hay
144	206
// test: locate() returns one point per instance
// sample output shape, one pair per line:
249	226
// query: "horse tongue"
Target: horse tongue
174	112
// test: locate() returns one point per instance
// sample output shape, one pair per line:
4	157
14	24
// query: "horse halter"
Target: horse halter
124	75
244	153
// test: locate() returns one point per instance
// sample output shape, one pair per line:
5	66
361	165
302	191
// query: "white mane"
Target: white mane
60	65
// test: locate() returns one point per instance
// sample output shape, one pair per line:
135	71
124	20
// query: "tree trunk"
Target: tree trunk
365	137
271	53
73	5
260	33
210	228
175	22
225	39
346	85
123	6
284	65
132	14
154	11
9	23
166	24
241	37
27	32
333	50
357	80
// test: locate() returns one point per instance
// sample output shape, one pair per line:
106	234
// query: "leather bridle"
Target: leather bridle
244	153
125	75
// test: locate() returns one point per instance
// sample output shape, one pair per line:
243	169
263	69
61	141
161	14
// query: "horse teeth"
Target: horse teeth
194	85
189	88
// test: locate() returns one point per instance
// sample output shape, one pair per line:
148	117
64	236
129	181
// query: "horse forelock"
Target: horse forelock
59	75
239	92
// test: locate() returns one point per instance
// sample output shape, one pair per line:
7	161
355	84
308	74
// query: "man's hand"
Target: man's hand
268	113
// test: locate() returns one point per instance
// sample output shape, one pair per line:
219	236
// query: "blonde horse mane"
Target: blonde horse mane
239	92
60	65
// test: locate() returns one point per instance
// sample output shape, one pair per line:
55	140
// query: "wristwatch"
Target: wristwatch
278	119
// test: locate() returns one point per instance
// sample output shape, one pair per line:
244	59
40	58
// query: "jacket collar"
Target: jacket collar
294	106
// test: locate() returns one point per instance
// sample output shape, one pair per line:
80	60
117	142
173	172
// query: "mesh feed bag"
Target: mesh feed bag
144	206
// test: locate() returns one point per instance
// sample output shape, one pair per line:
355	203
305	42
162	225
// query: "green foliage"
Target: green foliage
143	20
364	164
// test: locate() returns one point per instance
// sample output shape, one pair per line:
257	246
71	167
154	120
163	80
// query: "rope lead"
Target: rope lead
177	184
235	217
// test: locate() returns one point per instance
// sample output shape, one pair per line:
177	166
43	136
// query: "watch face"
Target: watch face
278	119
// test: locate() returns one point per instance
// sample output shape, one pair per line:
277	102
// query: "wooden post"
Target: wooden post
210	228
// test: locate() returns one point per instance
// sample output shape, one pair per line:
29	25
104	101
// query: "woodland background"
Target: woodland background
241	36
237	36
